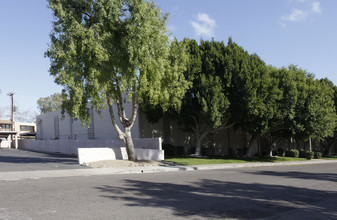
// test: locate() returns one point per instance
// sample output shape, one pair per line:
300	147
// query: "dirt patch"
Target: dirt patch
126	163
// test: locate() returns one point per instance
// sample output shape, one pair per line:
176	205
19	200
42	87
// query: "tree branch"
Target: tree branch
121	134
196	129
134	106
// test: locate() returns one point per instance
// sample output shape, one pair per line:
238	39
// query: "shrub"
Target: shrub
292	153
306	154
317	155
309	155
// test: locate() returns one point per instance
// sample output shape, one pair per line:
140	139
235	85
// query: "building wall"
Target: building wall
30	127
51	126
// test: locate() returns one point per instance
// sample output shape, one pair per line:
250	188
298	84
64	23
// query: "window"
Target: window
5	127
26	128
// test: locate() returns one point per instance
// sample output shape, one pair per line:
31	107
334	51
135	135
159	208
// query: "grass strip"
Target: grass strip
204	161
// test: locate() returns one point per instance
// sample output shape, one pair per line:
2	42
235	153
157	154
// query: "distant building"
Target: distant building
13	131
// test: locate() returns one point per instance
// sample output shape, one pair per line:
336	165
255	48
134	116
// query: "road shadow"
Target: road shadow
19	160
14	159
298	175
220	199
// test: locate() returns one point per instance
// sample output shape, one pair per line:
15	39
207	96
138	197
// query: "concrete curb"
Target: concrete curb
20	175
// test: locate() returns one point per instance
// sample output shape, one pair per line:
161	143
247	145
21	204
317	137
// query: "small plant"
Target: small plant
317	155
309	155
306	154
292	153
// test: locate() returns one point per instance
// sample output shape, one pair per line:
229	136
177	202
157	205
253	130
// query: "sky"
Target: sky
281	32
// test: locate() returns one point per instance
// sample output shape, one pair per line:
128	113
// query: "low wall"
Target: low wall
5	144
87	155
146	148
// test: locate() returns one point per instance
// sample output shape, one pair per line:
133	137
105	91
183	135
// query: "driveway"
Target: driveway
20	160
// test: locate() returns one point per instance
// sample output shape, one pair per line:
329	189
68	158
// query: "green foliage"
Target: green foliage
231	86
206	104
317	155
306	154
106	52
315	115
206	101
50	103
292	153
104	48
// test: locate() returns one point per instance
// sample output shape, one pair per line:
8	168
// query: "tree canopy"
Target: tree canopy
107	52
231	86
50	103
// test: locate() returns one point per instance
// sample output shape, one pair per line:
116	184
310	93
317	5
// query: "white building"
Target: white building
10	131
51	126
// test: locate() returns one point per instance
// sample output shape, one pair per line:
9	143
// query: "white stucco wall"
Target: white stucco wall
104	128
70	129
146	148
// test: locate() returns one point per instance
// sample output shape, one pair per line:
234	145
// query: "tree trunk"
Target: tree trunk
130	149
310	146
199	137
198	146
127	124
250	147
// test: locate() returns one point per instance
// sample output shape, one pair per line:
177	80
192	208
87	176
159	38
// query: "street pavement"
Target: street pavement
20	160
20	165
306	191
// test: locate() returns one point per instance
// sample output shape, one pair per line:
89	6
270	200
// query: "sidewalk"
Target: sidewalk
21	175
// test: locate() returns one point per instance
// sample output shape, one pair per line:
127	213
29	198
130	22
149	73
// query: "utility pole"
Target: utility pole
11	94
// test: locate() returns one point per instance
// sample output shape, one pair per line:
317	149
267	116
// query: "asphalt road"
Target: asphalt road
281	192
20	160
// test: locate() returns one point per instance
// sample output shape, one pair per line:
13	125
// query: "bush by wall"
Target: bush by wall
309	155
306	154
317	155
292	153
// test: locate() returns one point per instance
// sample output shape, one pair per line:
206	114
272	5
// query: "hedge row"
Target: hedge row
301	154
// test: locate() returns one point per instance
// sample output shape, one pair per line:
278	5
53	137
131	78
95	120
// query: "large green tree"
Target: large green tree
329	143
315	115
306	106
50	103
107	52
205	106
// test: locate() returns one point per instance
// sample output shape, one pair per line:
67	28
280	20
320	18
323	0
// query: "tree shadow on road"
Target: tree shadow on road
13	159
299	175
221	199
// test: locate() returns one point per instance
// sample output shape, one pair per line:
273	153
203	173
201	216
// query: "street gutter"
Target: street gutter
21	175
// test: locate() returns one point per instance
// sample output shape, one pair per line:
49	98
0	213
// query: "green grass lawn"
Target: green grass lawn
201	161
330	158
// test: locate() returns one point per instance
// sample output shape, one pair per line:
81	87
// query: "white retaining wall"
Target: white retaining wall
146	148
87	155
